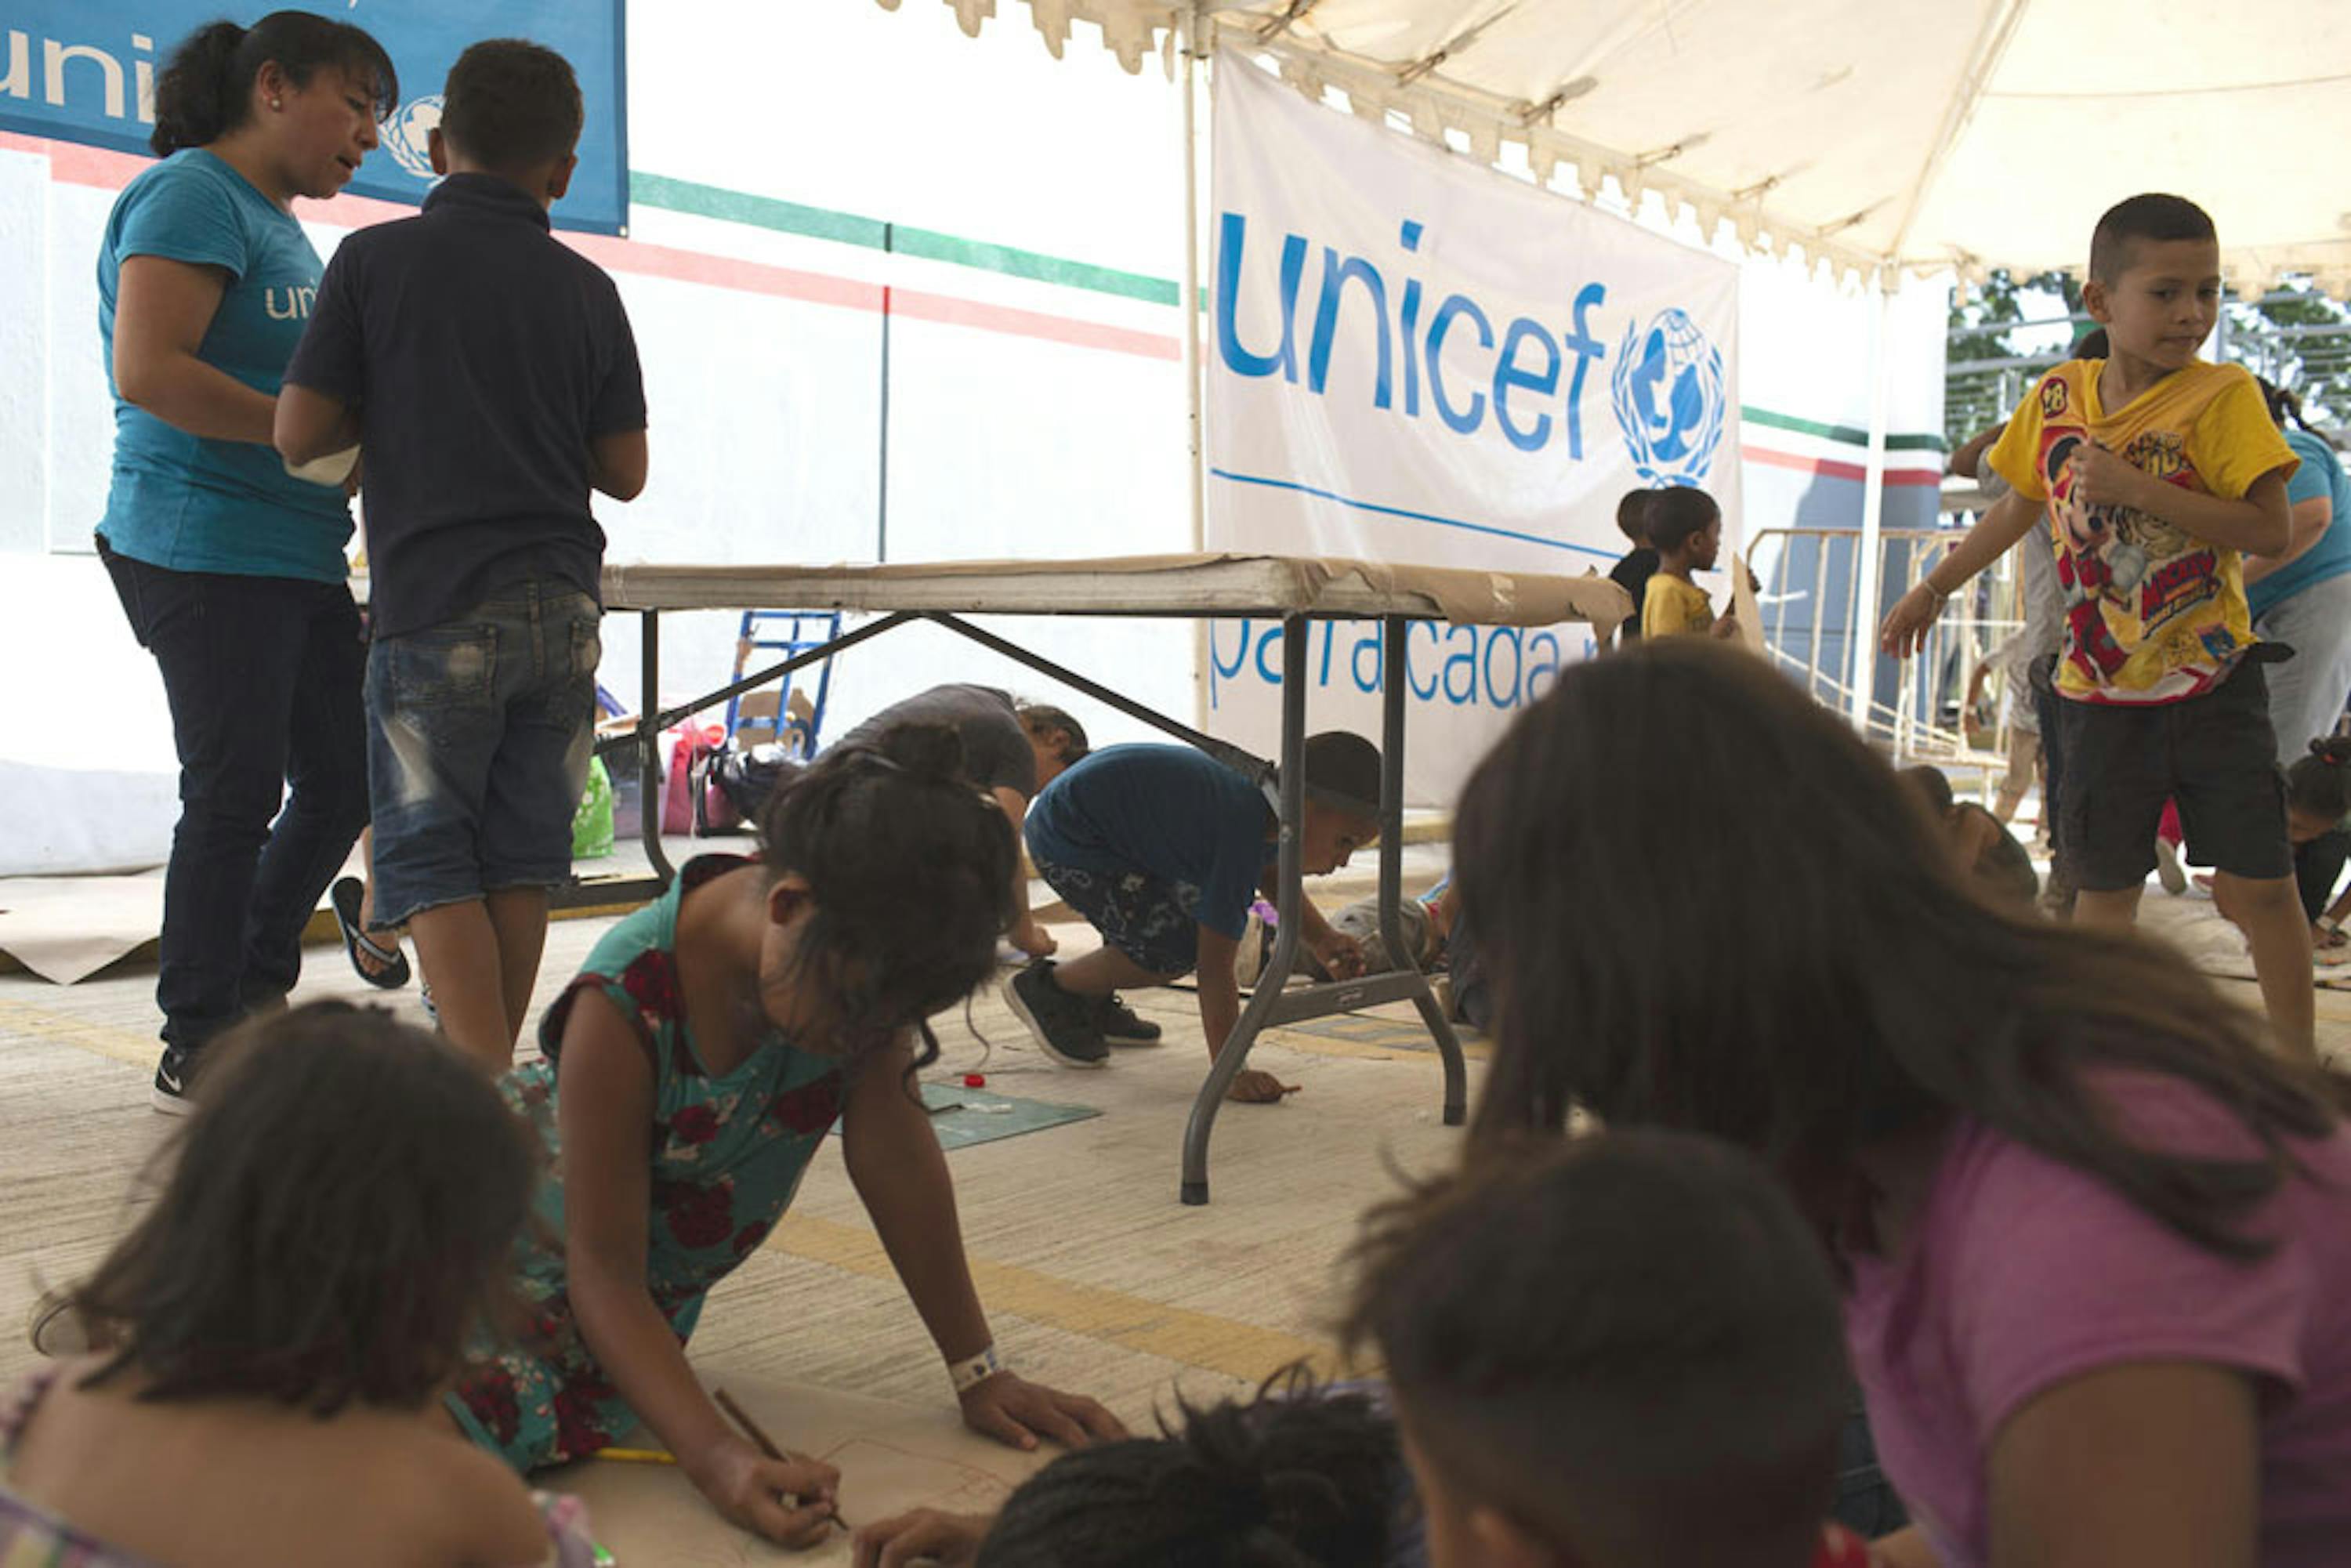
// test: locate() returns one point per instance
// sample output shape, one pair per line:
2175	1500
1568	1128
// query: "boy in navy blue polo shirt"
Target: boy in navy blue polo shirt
1161	849
490	377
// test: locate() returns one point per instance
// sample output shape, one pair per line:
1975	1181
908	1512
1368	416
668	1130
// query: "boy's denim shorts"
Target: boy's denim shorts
479	733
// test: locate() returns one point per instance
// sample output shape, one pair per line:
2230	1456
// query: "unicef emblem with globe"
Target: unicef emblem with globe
1668	391
408	135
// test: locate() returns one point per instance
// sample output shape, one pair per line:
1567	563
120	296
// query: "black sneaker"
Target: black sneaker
173	1076
1064	1024
1121	1025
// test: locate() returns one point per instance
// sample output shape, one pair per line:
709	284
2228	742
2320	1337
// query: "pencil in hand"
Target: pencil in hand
766	1444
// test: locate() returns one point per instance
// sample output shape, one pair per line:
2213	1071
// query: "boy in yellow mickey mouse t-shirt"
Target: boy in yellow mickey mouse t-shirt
2158	472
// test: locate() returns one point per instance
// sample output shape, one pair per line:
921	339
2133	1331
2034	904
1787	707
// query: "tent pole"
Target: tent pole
1863	688
1188	38
1187	24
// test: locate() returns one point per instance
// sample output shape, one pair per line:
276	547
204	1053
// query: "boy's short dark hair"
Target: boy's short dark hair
1633	516
1342	772
1044	718
1677	512
1296	1476
339	1220
510	104
2151	218
1628	1343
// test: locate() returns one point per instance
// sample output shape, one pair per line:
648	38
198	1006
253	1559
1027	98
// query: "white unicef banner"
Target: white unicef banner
1414	358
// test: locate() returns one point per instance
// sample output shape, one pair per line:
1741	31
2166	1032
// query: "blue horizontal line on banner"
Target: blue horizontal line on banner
1401	512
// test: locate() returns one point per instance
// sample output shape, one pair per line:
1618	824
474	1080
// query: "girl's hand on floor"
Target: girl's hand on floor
1254	1088
1016	1412
950	1540
788	1501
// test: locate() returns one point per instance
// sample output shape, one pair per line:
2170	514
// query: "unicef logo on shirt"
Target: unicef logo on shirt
408	135
1667	388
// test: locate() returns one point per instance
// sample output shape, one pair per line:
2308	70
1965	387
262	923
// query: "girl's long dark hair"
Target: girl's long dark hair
1707	905
910	869
205	89
340	1217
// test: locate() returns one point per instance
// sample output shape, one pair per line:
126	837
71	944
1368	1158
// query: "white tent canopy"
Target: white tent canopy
1920	133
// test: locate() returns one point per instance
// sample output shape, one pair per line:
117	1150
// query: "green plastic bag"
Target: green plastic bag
592	824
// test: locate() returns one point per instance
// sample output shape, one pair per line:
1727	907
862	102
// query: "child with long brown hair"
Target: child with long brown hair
275	1333
2096	1239
692	1071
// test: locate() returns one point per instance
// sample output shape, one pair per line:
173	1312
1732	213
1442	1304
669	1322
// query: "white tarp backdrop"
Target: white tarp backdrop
1414	358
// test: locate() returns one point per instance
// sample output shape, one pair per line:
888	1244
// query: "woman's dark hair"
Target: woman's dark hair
1296	1478
1678	511
339	1219
1818	980
1042	718
1629	1341
1633	516
206	91
910	869
2283	405
2320	783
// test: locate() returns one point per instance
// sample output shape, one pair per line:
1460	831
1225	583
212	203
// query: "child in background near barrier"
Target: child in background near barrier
1161	847
2157	469
491	375
273	1337
1685	527
1640	563
692	1069
2319	820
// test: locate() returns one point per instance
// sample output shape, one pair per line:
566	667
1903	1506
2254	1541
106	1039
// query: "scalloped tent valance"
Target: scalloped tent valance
1925	134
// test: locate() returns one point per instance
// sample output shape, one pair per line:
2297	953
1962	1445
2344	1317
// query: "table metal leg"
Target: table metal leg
648	719
1399	952
1290	895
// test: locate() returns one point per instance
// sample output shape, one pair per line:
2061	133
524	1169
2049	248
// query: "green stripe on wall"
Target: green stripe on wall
872	234
1851	435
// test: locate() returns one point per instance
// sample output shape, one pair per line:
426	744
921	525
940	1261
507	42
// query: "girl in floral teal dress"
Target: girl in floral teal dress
691	1072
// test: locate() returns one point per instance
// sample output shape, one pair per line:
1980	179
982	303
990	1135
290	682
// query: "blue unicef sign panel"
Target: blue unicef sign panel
84	70
1414	358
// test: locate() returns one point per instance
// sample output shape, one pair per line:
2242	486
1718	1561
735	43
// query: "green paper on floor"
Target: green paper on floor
968	1117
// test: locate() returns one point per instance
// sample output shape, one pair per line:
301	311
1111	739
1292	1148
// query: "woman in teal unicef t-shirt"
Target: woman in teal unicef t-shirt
230	569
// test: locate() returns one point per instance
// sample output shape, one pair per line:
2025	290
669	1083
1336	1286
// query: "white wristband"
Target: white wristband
973	1370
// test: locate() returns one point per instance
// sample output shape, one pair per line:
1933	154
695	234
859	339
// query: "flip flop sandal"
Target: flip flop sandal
345	896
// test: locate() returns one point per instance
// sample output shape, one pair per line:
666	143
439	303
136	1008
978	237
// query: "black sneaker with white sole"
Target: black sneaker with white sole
174	1076
1121	1025
1065	1025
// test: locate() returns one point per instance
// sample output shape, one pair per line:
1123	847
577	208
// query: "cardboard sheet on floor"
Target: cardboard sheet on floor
968	1117
67	928
892	1458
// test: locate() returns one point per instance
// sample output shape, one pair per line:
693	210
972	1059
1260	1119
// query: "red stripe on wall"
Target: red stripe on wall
96	166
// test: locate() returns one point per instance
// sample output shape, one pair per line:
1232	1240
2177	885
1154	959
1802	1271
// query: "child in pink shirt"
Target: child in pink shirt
2095	1236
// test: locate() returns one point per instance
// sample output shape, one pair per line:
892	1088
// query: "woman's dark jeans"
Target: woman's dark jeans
264	676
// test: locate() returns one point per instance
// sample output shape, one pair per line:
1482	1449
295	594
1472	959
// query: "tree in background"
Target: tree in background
2002	338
